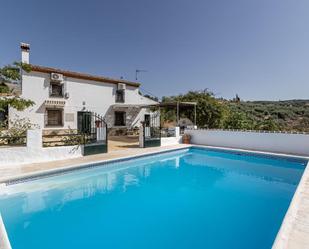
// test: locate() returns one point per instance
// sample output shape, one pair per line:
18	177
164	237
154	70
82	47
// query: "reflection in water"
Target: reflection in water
129	180
36	195
34	202
266	169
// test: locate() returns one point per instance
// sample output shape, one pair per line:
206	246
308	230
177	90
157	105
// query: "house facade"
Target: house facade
61	96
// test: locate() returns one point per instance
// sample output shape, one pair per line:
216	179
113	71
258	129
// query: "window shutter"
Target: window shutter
64	89
50	90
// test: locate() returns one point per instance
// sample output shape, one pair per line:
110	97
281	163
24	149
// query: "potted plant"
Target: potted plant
186	138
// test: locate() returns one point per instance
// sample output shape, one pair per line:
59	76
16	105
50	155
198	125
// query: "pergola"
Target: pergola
177	105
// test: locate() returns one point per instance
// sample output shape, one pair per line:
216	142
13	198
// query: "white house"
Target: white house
60	96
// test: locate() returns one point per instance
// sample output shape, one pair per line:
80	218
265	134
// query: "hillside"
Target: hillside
288	115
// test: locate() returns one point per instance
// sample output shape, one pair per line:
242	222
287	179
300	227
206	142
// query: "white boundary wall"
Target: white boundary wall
287	143
165	141
24	155
34	152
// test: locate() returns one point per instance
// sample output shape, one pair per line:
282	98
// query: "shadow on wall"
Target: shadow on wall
131	115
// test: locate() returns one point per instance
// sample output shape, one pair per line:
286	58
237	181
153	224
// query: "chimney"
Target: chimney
25	48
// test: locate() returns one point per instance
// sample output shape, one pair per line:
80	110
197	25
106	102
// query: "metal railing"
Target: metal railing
95	132
168	132
152	131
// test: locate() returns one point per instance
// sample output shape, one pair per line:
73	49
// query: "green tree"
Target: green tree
12	74
210	111
237	120
267	125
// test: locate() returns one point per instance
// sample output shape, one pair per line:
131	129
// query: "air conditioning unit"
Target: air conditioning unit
121	86
66	95
56	77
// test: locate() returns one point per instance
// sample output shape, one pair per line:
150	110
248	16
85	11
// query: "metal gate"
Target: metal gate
94	130
152	130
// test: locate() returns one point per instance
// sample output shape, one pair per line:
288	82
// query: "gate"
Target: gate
94	130
152	130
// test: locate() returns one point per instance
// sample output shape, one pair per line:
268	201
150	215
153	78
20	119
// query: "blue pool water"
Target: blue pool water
184	199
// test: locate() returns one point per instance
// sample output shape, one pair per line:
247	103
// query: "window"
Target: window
56	90
119	96
120	118
54	117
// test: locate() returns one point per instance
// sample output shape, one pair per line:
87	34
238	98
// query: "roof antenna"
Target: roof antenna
137	71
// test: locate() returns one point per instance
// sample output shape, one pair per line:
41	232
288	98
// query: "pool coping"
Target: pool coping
4	239
294	228
10	180
6	181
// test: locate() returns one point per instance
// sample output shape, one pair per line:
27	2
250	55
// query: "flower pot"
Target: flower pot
186	139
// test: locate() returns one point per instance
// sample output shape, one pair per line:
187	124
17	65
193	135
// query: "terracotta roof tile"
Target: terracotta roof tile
84	76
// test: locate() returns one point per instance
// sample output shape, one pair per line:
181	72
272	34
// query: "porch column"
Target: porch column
34	139
141	136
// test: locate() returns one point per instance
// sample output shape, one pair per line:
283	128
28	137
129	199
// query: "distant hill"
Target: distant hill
212	112
289	115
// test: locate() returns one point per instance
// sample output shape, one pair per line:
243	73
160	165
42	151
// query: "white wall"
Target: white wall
271	142
23	155
97	96
165	141
34	152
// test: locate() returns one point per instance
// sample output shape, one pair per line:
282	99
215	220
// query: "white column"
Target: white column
34	139
177	131
141	137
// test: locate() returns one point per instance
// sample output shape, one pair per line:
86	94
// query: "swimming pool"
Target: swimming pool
193	198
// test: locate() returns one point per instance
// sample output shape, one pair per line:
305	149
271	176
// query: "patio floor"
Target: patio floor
122	142
117	151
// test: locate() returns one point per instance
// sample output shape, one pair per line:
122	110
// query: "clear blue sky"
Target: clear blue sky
256	48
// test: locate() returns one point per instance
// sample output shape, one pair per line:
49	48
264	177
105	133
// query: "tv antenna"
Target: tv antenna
137	71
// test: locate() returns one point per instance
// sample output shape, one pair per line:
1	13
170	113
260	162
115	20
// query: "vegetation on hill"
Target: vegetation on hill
289	115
